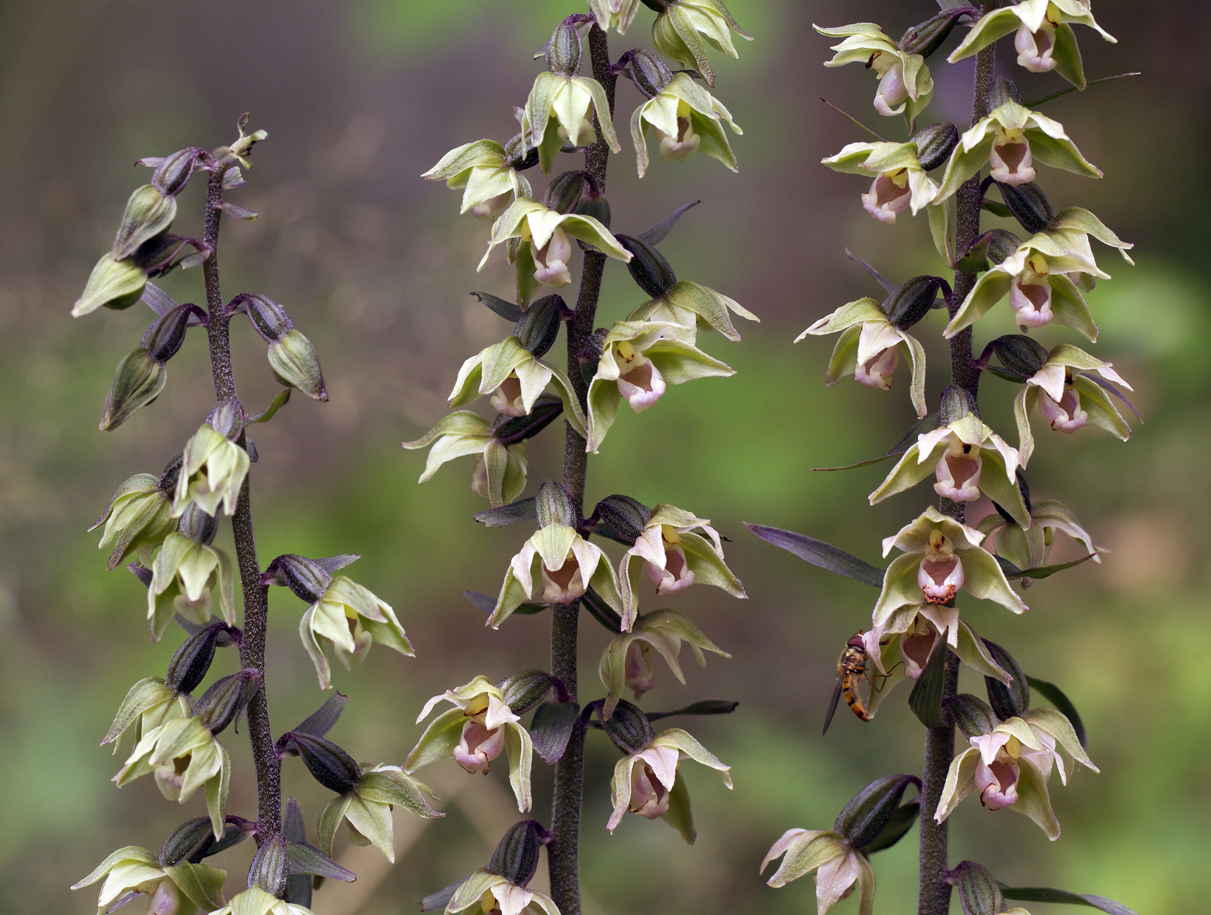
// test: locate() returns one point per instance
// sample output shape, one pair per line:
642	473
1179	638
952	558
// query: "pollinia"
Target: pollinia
990	529
163	528
561	570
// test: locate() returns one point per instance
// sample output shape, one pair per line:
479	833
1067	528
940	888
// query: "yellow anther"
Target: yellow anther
936	539
669	535
625	351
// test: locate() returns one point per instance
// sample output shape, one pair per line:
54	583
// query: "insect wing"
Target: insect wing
832	703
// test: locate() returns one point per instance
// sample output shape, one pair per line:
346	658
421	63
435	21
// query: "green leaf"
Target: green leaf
920	427
703	707
1063	704
1047	894
926	697
267	414
821	554
1012	571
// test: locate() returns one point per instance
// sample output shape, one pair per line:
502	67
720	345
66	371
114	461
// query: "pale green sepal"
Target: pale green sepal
145	695
1078	219
216	794
1034	801
372	820
202	885
438	741
900	588
844	357
330	818
392	785
960	782
854	313
1071	309
472	890
805	851
520	750
916	390
941	229
986	580
1101	409
866	885
130	853
989	289
1067	56
990	28
455	166
708	566
1022	404
680	815
1057	725
694	307
685	743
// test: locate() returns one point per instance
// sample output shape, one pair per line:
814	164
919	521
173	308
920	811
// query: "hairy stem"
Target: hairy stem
562	853
256	598
934	897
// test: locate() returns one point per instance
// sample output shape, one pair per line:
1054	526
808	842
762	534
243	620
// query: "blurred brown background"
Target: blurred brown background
361	96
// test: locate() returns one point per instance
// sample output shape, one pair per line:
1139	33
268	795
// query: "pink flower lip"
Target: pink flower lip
478	746
552	261
1036	50
507	399
959	475
649	798
1065	416
876	370
998	784
642	386
940	579
892	92
1011	162
886	199
1031	303
564	584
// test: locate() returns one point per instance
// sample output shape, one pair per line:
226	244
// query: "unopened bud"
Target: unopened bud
509	430
624	517
114	283
926	37
525	689
563	50
990	248
647	71
328	764
1029	205
519	156
227	419
595	205
554	505
565	191
295	363
1002	244
1020	355
1007	700
649	268
269	319
516	855
935	144
148	212
138	381
972	714
226	700
1002	91
269	867
163	338
629	728
306	578
871	809
171	175
197	525
158	255
978	891
191	662
957	402
538	326
186	840
912	301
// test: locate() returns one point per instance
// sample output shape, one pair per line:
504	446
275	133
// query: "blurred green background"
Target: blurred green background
361	96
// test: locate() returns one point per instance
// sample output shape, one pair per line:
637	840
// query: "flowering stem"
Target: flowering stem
562	853
934	891
256	599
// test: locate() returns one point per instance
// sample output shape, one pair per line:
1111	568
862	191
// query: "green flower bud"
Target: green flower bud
269	319
629	728
331	766
912	301
269	867
197	525
1010	700
172	174
684	27
646	70
148	213
554	505
935	144
978	891
138	516
1002	91
226	700
114	283
565	191
563	51
972	714
649	268
163	338
926	37
516	855
625	518
871	809
1001	244
957	402
194	840
191	662
595	206
306	578
138	381
538	326
590	356
1030	206
520	155
295	363
525	689
1021	356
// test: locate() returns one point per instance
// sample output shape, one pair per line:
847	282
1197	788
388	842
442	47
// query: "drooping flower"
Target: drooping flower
1010	139
868	348
838	867
184	574
639	359
255	901
905	85
629	663
1038	278
139	515
695	308
556	565
479	727
366	808
147	705
684	118
176	889
958	455
546	233
1028	548
679	31
900	180
500	475
495	895
348	617
676	549
940	557
1068	397
1044	40
1010	765
515	378
488	173
212	471
645	782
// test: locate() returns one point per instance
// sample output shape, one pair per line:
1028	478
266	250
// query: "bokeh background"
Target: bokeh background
361	96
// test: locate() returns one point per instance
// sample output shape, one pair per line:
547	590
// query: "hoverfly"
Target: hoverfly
851	672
